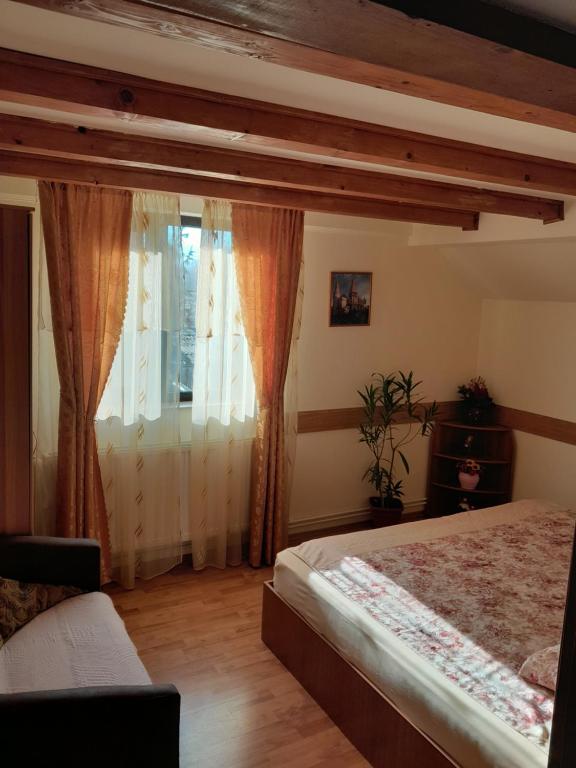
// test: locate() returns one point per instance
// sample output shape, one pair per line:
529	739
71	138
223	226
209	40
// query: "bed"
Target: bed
411	637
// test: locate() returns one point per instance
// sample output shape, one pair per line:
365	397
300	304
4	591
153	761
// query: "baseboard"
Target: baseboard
348	517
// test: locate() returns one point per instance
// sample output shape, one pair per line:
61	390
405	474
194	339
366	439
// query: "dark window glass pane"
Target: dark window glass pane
190	234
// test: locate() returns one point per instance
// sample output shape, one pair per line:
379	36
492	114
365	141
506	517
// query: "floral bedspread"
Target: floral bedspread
475	605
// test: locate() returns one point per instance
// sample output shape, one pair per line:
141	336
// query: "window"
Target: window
190	233
170	344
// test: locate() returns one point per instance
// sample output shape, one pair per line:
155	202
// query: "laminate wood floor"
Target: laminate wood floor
240	707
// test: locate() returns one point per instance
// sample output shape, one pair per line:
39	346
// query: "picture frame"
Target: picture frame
350	299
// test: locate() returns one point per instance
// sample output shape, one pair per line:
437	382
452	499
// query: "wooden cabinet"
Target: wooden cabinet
15	370
452	443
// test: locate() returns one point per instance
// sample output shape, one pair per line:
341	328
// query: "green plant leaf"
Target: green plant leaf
405	462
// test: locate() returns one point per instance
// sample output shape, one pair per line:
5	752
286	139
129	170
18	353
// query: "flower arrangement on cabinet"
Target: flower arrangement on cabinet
469	472
477	403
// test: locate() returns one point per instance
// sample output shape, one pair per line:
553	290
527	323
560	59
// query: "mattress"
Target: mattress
439	615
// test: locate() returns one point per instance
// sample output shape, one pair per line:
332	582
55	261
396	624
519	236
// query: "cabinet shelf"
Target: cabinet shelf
491	446
476	427
492	491
479	459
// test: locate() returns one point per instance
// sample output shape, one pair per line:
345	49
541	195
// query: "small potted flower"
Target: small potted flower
469	474
477	404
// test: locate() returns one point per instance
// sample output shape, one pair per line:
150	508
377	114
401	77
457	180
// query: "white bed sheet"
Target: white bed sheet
466	730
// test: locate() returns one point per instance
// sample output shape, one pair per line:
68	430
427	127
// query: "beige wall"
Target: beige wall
12	187
527	354
527	351
423	318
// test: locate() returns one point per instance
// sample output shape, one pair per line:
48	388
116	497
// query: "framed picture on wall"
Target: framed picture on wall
350	298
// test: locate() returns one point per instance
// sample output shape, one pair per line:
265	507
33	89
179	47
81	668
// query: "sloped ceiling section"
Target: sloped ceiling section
527	271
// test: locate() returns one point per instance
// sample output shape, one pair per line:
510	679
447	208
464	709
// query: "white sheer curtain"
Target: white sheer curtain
176	475
144	377
138	426
220	424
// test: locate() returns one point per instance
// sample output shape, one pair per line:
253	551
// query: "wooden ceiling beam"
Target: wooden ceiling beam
25	133
418	48
41	81
37	166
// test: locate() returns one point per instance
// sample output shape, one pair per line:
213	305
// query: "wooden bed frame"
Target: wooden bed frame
370	721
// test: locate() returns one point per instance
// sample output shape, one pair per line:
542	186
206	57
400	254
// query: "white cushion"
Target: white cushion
78	643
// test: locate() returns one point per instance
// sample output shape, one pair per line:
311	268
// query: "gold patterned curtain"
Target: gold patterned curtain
87	235
268	252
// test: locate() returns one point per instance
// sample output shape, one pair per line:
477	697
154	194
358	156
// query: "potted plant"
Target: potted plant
394	416
477	404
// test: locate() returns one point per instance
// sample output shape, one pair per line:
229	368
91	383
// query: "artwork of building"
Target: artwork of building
350	300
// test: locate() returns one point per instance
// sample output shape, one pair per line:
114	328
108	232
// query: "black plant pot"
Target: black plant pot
385	511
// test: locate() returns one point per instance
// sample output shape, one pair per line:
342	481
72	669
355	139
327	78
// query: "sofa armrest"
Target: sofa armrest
51	560
115	726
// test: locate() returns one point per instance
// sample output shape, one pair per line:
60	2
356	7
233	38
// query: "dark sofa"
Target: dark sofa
114	725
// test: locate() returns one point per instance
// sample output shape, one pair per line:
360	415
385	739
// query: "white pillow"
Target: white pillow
542	667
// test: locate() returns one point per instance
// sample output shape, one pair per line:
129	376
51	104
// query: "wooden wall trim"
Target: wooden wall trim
536	424
523	421
350	418
329	420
